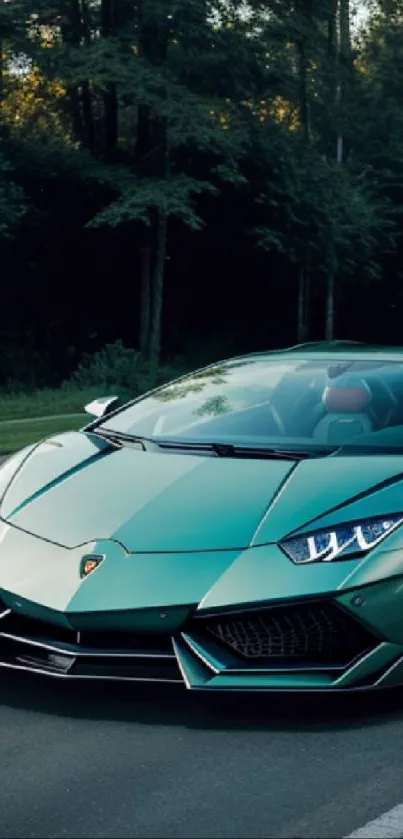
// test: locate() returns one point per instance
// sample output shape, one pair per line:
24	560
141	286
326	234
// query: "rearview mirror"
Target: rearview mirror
102	406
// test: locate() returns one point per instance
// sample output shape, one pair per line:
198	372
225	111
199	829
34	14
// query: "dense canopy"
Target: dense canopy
197	178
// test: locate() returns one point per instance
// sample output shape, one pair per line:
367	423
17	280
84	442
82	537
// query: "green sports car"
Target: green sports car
237	529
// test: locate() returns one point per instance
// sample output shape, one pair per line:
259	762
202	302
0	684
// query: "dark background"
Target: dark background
67	289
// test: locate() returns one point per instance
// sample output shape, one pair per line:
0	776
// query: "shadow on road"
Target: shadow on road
168	705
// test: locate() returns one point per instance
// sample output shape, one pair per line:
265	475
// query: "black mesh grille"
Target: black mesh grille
318	632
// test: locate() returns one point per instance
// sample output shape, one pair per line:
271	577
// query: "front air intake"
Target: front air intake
318	632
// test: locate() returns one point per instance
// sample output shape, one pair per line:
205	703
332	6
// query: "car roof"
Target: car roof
328	350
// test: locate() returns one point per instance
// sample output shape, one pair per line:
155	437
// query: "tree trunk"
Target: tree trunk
110	99
143	155
152	162
334	142
332	84
332	36
111	123
305	111
343	67
302	329
88	119
330	292
157	281
2	69
303	86
86	98
1	73
145	305
71	34
339	94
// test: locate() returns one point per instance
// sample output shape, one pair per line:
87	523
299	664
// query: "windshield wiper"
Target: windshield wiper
118	439
263	453
235	451
230	450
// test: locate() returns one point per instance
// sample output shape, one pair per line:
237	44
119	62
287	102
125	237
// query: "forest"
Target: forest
191	179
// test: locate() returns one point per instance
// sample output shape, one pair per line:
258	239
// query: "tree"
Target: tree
145	118
153	182
327	215
13	201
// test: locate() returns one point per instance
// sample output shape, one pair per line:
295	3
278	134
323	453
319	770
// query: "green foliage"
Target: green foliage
151	112
330	218
145	76
116	368
13	201
38	155
139	196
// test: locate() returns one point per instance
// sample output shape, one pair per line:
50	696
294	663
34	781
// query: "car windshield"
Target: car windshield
283	402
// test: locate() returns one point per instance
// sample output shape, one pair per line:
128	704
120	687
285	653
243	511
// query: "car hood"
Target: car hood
74	489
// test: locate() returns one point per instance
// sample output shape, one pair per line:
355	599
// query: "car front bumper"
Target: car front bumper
298	645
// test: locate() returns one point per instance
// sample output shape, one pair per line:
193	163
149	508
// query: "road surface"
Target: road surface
118	761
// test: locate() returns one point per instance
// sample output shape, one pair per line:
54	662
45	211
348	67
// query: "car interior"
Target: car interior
315	403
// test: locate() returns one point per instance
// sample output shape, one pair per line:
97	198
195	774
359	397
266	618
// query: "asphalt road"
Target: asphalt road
150	761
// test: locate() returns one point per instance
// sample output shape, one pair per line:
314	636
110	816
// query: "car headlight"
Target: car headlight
345	541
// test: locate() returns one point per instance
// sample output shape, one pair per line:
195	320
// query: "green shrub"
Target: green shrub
116	368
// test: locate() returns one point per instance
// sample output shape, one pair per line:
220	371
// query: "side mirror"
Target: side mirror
102	406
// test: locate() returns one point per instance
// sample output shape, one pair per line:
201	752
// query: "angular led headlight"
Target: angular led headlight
345	541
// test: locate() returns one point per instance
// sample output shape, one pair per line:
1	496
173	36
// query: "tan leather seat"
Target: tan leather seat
348	411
